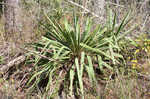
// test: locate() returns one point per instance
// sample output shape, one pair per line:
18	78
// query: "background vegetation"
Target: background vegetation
72	49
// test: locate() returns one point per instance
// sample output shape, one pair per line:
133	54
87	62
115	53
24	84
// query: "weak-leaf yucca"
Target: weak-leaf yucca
65	49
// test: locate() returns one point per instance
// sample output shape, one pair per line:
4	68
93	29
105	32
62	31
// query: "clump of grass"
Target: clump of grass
125	87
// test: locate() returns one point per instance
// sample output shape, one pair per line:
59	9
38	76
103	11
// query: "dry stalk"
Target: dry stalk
12	63
85	9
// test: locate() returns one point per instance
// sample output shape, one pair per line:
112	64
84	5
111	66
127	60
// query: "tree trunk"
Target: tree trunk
99	10
12	14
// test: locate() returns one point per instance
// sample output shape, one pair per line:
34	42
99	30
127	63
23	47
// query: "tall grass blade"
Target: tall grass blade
90	69
100	63
123	23
72	73
79	77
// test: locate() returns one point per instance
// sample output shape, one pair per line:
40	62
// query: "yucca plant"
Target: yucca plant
66	53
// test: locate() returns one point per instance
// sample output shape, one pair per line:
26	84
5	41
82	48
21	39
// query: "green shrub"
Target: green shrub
66	55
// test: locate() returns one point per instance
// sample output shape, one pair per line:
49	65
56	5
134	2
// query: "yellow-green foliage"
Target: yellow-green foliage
140	54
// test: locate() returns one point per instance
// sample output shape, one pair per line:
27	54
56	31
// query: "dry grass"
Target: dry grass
127	88
122	87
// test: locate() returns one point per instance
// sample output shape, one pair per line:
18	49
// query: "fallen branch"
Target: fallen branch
116	4
14	62
85	9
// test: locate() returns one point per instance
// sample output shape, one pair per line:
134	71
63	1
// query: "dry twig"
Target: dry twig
12	63
85	9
